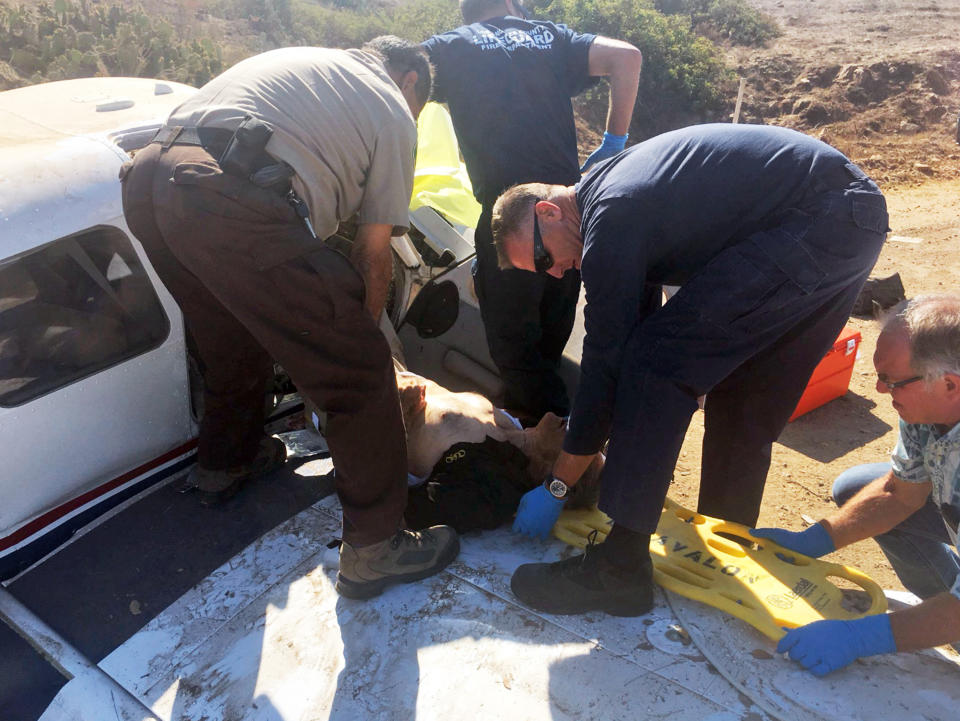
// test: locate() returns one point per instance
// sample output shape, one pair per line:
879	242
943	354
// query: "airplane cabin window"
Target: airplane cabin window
72	308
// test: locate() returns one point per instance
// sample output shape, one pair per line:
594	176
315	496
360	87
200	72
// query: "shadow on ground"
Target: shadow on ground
815	434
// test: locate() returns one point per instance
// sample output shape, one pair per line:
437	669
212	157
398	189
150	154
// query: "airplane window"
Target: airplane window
73	308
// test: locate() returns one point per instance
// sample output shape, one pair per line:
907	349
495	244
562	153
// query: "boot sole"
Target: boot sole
625	609
544	597
361	590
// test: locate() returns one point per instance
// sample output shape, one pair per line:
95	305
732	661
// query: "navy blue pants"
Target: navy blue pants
528	318
748	329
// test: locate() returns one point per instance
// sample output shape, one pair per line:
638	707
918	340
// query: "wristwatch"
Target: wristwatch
558	489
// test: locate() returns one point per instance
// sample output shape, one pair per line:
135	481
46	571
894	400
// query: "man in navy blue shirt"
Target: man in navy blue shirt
770	235
508	83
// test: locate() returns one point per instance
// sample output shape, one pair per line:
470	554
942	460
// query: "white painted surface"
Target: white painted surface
265	637
86	105
59	159
901	686
87	698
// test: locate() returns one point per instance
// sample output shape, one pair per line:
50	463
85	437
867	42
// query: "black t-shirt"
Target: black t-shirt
657	213
508	84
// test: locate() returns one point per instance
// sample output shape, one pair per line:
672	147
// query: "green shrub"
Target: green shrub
85	41
25	61
740	23
343	27
684	78
72	64
66	40
733	20
419	19
332	28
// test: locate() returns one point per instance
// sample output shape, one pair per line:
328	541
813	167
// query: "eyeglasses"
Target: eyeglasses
893	385
542	260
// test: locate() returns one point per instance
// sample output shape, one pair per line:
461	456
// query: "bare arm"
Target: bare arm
934	622
568	467
620	63
371	255
878	507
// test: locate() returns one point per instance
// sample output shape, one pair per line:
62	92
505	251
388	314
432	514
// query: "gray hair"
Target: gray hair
512	209
401	56
932	325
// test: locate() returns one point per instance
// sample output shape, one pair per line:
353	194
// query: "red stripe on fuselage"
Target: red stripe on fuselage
60	511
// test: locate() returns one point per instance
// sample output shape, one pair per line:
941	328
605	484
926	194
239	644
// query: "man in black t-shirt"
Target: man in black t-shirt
508	83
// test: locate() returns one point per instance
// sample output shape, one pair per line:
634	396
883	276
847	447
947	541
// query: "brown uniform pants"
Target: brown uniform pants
232	255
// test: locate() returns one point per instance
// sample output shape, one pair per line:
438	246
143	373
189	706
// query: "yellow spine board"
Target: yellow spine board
756	580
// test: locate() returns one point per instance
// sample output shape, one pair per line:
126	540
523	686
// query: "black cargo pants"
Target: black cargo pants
528	318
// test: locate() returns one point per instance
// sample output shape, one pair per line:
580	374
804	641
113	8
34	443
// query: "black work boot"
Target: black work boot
585	583
407	556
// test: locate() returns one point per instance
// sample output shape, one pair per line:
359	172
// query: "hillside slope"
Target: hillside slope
876	78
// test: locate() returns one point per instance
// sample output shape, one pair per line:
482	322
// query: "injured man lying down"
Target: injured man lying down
470	463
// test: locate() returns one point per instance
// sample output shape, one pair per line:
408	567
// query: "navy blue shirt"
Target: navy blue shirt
508	84
657	214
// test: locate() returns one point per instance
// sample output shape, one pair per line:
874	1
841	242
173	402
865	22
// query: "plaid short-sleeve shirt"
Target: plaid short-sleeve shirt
926	453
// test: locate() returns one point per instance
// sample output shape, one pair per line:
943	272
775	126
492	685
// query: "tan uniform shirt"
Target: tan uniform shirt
337	118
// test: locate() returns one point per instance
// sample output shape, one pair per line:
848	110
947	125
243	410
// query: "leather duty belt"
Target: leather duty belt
208	138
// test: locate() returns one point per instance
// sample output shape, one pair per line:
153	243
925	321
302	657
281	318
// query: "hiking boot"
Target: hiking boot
406	556
585	583
215	487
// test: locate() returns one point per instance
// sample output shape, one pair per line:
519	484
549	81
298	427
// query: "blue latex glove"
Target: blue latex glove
611	145
814	541
538	512
825	646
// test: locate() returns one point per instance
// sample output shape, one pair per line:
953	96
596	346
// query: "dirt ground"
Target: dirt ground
877	79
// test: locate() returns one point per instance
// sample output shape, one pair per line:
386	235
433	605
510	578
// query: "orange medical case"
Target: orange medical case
831	377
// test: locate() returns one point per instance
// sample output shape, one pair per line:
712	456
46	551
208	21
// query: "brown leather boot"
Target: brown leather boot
405	557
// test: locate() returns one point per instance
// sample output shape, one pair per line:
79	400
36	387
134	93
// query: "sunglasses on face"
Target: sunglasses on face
893	385
542	260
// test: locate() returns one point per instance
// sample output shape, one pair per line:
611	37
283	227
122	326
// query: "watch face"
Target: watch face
558	488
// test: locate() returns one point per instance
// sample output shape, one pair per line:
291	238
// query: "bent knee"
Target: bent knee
849	483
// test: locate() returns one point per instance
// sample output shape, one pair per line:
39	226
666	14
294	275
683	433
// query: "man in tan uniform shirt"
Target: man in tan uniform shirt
218	201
